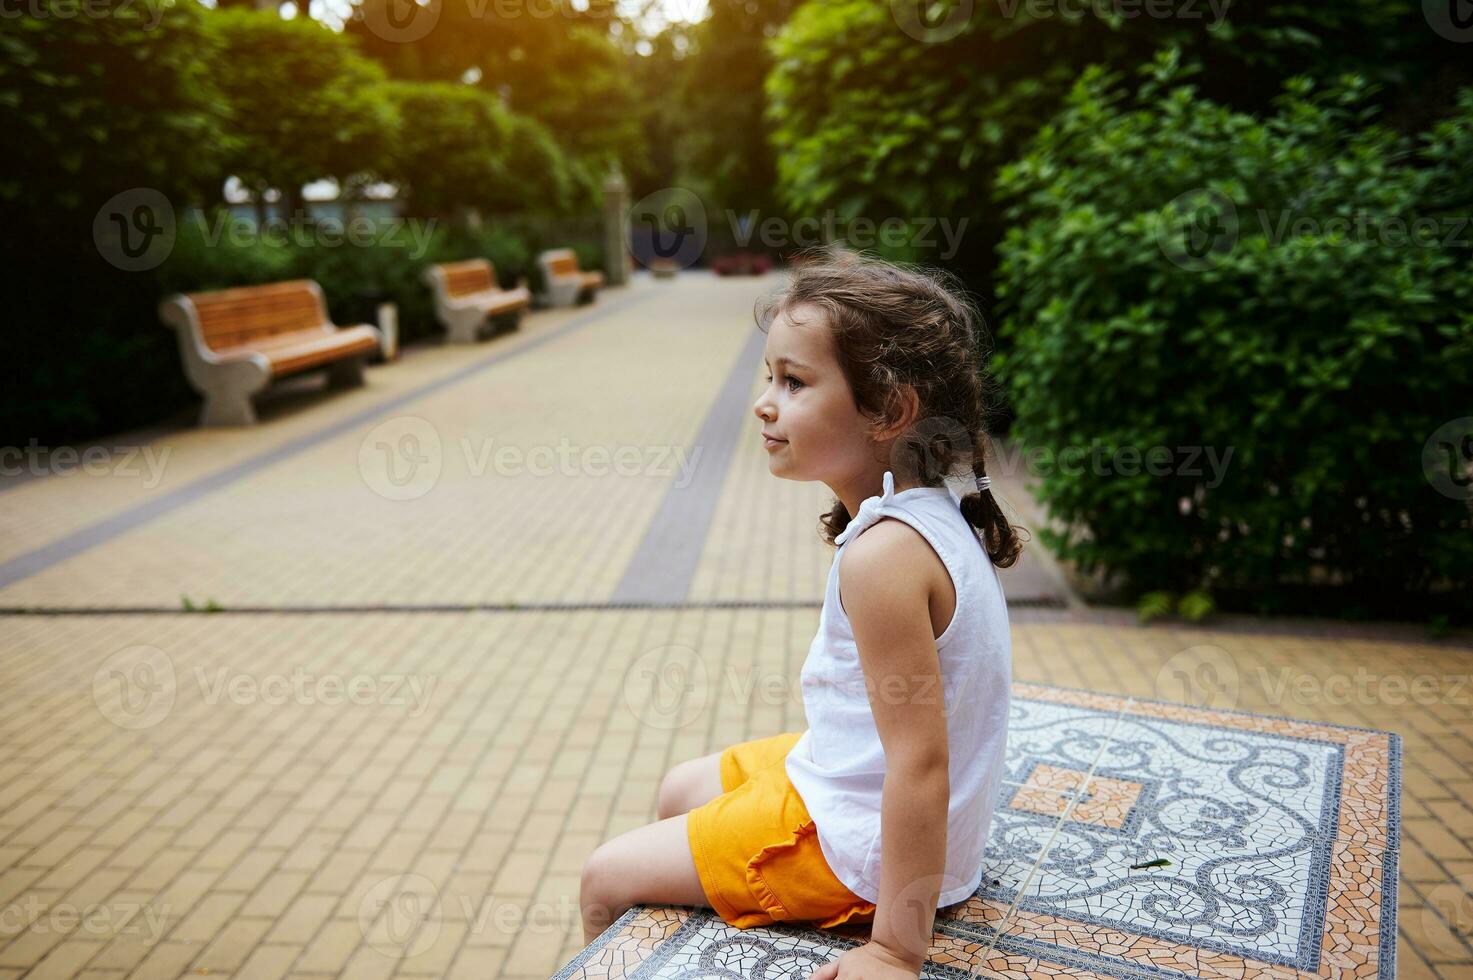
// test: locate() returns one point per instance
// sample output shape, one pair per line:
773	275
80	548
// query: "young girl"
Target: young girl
879	812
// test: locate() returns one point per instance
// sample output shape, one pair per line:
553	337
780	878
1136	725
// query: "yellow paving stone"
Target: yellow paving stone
329	950
165	960
276	893
268	962
338	871
66	960
434	960
232	945
209	916
370	963
519	874
300	921
477	963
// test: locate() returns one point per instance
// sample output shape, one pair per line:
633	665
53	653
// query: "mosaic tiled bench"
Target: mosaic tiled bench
1282	838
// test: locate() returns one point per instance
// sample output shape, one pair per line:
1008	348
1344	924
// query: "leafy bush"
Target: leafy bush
459	146
93	108
873	118
1178	274
301	101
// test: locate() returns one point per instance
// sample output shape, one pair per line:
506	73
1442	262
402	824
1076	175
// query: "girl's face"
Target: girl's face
809	406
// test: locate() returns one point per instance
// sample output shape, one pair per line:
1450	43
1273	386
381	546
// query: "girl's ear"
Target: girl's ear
905	407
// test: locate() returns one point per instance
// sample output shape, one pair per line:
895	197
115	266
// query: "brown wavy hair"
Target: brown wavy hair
897	328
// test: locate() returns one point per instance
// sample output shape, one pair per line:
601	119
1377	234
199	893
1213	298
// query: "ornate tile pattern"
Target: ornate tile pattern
1139	839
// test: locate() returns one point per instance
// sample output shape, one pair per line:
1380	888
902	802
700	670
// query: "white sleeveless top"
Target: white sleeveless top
838	765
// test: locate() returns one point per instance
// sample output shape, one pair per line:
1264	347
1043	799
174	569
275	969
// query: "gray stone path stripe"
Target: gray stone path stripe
62	549
665	562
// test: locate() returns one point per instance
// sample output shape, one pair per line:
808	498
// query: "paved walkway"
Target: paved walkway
446	594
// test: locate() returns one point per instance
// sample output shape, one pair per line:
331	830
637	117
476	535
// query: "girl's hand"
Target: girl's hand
871	961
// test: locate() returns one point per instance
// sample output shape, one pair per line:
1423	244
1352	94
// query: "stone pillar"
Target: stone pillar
617	260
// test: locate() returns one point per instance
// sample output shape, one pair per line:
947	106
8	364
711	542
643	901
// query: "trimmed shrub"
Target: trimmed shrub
1290	292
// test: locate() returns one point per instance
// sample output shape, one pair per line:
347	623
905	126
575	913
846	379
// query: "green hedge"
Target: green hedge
1178	274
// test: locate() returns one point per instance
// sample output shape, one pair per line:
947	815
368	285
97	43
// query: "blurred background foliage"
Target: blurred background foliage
1063	138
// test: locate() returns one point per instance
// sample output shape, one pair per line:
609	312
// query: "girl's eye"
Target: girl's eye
791	380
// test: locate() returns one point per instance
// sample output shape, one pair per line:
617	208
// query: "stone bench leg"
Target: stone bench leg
227	389
347	373
227	408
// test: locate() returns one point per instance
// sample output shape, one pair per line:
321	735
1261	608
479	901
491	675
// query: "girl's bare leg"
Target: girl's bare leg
650	865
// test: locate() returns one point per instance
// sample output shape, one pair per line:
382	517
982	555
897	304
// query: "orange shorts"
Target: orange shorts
756	848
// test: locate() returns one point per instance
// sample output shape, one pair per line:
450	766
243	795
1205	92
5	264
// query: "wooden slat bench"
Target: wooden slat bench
235	341
564	284
467	298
